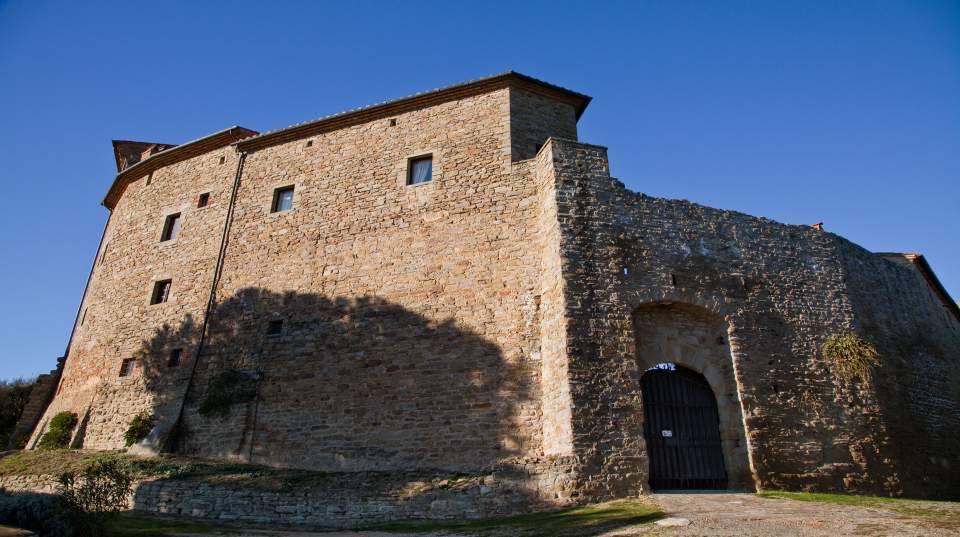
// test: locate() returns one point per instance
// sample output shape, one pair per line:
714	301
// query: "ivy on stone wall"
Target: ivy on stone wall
140	426
850	357
227	389
60	431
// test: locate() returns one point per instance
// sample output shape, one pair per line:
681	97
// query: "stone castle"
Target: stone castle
452	281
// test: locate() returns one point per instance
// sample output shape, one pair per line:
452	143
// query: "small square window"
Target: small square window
161	292
420	170
309	143
275	328
282	199
171	226
127	367
203	200
175	358
223	159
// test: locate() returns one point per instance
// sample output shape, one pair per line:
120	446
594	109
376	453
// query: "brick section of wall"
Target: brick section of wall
781	289
919	387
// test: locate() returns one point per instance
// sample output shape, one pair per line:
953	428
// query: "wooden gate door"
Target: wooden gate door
682	429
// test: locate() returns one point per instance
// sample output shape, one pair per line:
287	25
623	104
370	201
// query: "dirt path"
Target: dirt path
735	514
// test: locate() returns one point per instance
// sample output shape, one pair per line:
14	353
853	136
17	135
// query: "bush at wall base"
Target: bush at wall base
58	435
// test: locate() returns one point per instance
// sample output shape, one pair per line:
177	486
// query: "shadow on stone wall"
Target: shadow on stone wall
347	384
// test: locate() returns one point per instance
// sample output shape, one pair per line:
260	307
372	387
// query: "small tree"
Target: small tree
99	490
60	431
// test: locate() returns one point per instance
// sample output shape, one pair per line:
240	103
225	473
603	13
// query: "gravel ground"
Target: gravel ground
738	514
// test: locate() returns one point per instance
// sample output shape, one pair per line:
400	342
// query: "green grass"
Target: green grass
947	511
138	525
53	462
578	521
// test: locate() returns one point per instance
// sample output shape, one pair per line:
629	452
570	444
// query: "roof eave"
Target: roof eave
173	155
415	102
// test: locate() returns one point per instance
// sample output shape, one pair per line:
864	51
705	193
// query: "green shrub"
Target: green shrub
47	515
58	435
850	357
140	427
227	389
98	491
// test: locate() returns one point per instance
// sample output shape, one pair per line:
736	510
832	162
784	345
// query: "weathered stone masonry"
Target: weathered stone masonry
499	314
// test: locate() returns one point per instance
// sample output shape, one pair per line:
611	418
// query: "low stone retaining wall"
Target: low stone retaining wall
46	484
358	499
352	499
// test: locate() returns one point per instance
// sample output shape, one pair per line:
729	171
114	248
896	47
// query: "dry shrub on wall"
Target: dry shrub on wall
850	357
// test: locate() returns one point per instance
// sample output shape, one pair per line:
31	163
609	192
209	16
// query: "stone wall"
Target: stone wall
782	290
363	499
503	311
117	320
410	312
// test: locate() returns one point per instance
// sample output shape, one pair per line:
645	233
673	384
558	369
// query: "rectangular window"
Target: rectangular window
171	226
282	199
274	328
161	291
420	170
204	200
174	359
127	367
103	256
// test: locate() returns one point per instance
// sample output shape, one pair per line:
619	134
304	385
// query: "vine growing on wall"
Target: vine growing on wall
227	389
60	431
140	426
850	357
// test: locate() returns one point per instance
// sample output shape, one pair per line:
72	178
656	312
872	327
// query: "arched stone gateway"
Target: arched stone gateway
701	380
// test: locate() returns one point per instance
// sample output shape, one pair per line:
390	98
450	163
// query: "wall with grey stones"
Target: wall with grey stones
781	290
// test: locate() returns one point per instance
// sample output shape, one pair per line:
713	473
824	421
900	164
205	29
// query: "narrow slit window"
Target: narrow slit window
161	291
171	226
275	328
203	200
103	255
282	199
175	358
420	170
127	367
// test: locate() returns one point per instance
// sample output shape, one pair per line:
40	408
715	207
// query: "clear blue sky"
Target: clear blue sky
845	112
